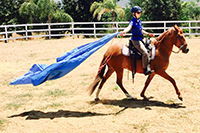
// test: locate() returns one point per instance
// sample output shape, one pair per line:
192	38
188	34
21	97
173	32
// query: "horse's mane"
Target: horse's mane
165	34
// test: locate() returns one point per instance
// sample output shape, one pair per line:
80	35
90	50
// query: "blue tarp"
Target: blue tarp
39	73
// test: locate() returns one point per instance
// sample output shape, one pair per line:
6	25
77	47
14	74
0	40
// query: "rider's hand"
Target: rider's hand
122	33
151	35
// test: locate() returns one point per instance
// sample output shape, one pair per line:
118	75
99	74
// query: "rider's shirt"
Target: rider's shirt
136	29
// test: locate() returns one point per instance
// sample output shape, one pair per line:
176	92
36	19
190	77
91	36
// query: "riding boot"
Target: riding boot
147	70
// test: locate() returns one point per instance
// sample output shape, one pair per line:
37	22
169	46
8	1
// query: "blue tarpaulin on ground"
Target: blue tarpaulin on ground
39	73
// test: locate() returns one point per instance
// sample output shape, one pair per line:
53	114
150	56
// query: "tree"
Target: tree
108	6
29	8
9	12
191	11
79	9
43	11
160	10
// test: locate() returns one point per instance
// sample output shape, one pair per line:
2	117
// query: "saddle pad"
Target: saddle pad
125	51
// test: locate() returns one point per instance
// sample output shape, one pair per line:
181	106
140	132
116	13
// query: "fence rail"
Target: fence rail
93	29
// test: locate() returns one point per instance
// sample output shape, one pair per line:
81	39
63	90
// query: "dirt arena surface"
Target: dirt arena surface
64	106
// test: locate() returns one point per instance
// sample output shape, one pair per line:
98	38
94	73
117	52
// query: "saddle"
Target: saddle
135	55
130	50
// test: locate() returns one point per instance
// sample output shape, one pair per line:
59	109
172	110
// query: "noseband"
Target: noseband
182	44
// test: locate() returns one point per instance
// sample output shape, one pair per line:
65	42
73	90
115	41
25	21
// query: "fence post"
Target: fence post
165	26
49	27
6	35
95	30
117	28
73	30
189	29
26	32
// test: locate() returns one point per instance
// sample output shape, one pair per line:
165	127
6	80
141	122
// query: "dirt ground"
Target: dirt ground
63	105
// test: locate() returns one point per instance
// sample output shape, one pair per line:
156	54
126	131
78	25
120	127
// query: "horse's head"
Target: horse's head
180	40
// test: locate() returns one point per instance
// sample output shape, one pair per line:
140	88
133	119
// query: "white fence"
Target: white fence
94	29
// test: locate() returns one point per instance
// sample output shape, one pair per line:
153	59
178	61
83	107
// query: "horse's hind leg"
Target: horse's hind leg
150	77
166	76
119	82
107	75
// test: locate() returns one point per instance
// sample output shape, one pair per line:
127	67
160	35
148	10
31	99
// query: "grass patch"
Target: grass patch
144	127
48	83
56	93
45	60
24	95
32	55
83	83
6	83
2	121
114	88
84	74
53	105
13	105
141	127
170	101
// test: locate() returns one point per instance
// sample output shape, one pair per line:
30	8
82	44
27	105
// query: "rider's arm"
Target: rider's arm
127	29
146	33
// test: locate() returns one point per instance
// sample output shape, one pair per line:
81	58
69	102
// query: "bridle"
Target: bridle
182	44
177	36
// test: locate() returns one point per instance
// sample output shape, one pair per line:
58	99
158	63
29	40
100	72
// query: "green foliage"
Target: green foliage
43	11
160	10
79	10
190	11
108	6
9	12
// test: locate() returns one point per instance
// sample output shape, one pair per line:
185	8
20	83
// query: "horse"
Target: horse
116	62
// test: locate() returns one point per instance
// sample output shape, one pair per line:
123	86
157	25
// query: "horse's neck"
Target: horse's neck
164	45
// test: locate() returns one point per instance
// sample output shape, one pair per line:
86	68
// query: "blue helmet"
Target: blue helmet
136	9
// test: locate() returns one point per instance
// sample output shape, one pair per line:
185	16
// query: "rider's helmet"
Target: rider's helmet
136	9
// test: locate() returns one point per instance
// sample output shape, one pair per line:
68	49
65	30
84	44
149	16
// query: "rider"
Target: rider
135	25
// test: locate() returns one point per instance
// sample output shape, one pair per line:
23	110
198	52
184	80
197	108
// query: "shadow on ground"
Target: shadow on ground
138	103
34	115
125	103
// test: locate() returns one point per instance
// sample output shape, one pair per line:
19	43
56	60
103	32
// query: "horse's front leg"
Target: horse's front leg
149	78
169	78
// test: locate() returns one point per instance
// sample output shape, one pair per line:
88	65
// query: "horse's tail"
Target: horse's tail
98	77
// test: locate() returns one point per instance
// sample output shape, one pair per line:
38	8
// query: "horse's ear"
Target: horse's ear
176	28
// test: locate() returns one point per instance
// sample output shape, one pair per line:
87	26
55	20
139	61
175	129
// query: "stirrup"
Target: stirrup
148	71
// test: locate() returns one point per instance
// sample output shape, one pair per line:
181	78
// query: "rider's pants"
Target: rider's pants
141	48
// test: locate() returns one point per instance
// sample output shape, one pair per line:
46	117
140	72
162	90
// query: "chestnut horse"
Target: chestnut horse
116	62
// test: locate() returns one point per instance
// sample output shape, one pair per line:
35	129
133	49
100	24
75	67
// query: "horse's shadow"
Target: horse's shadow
125	103
139	103
35	115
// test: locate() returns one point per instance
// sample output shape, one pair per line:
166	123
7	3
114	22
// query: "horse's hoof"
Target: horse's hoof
131	98
180	98
96	99
145	99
